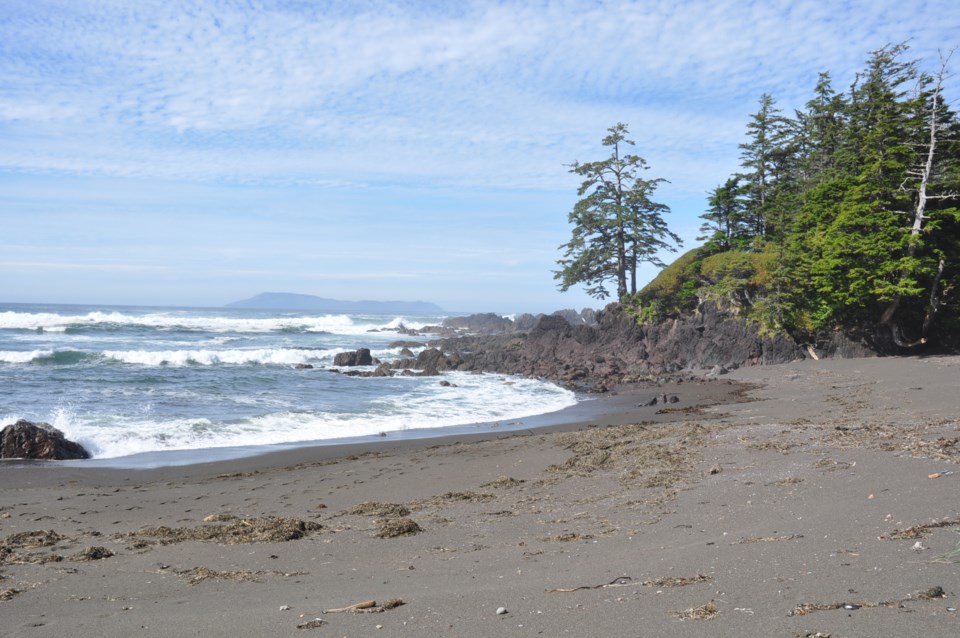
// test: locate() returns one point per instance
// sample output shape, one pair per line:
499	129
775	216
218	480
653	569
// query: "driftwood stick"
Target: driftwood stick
367	604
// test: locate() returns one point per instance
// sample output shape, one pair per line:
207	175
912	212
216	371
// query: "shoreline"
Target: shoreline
821	502
614	408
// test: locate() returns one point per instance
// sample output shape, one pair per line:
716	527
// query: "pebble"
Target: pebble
501	611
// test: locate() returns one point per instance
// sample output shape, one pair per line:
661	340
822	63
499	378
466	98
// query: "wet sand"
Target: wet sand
801	505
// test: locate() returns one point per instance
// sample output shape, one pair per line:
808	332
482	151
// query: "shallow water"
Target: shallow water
208	382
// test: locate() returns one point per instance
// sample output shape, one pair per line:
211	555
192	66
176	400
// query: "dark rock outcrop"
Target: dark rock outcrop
359	357
594	351
29	440
493	324
485	323
617	349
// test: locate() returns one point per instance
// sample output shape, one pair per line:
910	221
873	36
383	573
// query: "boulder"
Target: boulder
359	357
431	358
29	440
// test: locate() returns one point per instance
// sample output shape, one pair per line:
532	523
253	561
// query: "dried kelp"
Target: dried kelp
395	527
266	529
382	510
926	594
704	612
920	531
92	553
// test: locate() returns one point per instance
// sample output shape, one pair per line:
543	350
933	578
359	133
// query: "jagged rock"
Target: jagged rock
485	323
404	344
617	349
383	370
359	357
402	329
28	440
526	322
303	366
586	317
431	358
426	372
406	352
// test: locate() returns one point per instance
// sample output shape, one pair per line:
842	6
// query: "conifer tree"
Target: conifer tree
723	227
763	158
616	224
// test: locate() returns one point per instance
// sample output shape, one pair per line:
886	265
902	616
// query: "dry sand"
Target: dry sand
802	507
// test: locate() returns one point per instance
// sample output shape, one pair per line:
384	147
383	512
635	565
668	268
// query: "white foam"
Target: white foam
472	399
336	324
263	356
7	356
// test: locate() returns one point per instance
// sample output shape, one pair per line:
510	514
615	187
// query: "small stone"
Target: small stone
501	611
285	608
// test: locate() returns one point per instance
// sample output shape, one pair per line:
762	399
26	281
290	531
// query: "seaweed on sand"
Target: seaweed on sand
265	529
382	510
394	527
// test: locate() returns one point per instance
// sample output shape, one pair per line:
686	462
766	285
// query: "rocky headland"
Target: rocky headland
594	351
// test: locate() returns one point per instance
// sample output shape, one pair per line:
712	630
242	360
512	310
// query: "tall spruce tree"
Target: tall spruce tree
764	157
616	224
824	121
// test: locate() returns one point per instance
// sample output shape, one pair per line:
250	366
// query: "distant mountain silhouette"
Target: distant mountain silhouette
293	301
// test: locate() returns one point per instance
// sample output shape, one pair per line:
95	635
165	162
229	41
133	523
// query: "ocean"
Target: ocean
146	387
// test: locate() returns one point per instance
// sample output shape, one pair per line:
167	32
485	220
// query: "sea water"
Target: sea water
131	382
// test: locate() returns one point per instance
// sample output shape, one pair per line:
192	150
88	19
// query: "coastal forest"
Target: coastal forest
843	217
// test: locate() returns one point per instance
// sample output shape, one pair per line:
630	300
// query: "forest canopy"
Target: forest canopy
843	216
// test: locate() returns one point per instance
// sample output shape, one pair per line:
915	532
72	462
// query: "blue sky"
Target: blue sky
164	152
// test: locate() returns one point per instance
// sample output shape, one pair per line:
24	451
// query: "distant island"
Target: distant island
293	301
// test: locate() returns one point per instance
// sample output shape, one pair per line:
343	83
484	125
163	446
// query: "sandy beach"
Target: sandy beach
817	498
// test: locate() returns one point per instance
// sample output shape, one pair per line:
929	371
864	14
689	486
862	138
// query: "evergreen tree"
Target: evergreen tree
763	157
845	217
823	125
616	225
724	226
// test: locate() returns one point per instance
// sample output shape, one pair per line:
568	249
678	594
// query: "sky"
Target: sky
193	153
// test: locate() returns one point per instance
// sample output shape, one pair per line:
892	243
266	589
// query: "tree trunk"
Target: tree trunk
621	264
919	213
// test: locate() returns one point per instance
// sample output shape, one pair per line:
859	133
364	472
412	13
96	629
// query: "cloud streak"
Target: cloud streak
371	96
494	94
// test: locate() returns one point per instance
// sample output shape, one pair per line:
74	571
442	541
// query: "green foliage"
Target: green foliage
672	292
616	224
846	216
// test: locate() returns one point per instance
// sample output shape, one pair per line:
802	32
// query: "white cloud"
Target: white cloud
493	94
356	104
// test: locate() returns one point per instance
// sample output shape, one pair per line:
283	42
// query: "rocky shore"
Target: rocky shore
593	351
